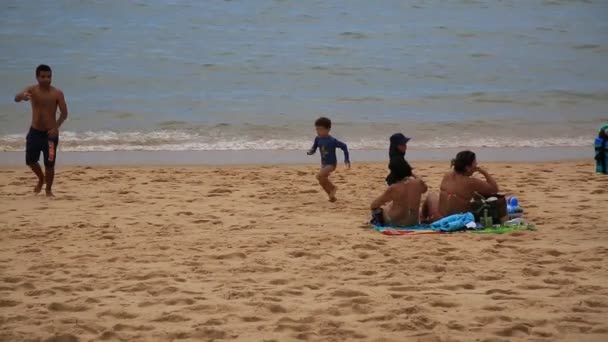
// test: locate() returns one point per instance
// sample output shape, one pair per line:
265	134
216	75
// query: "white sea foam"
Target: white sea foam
167	140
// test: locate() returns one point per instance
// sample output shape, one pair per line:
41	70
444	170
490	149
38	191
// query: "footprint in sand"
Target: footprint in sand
456	326
506	297
518	330
349	293
232	295
38	293
62	338
405	288
219	191
499	291
400	326
127	327
571	269
558	281
490	277
231	256
533	287
457	287
299	254
424	321
593	303
8	303
312	191
366	246
205	334
213	322
133	288
67	308
117	314
275	308
171	318
554	252
300	328
180	301
12	280
163	292
493	308
443	304
251	319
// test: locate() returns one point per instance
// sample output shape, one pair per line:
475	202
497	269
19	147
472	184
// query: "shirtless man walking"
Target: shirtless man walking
44	132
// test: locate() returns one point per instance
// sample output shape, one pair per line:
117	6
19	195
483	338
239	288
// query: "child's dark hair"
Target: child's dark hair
323	122
462	160
42	68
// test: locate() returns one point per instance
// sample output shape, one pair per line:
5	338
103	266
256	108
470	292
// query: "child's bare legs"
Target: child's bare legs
325	183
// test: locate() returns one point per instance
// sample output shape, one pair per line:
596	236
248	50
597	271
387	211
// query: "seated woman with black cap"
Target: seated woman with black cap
399	204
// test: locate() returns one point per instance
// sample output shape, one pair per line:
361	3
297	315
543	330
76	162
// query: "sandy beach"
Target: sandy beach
258	254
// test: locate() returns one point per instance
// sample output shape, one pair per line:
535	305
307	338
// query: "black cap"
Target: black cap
399	139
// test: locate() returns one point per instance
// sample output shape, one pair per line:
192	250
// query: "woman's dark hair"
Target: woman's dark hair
400	170
462	160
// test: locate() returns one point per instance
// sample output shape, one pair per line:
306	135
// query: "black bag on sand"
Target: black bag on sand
496	205
377	217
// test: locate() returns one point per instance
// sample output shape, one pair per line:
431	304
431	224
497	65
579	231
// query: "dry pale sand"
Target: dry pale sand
258	254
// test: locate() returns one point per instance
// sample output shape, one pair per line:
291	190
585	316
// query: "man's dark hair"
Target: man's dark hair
323	122
41	68
462	160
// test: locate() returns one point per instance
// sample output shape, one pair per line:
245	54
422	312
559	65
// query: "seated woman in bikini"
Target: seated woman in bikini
458	188
400	203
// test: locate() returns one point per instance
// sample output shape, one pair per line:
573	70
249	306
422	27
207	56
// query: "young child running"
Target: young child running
327	147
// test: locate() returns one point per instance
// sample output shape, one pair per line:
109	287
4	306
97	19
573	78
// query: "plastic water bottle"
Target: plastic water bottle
514	222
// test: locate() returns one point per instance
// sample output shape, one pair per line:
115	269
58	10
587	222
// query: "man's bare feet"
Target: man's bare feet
49	193
38	187
332	195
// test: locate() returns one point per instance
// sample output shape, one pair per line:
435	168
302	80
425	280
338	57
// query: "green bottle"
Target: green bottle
487	221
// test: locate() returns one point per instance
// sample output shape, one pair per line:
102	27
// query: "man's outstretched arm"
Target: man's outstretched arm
25	95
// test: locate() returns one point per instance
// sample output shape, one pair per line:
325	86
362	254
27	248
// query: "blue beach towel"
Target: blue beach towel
453	223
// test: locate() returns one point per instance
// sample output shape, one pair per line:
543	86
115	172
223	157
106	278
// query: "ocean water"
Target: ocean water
254	75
